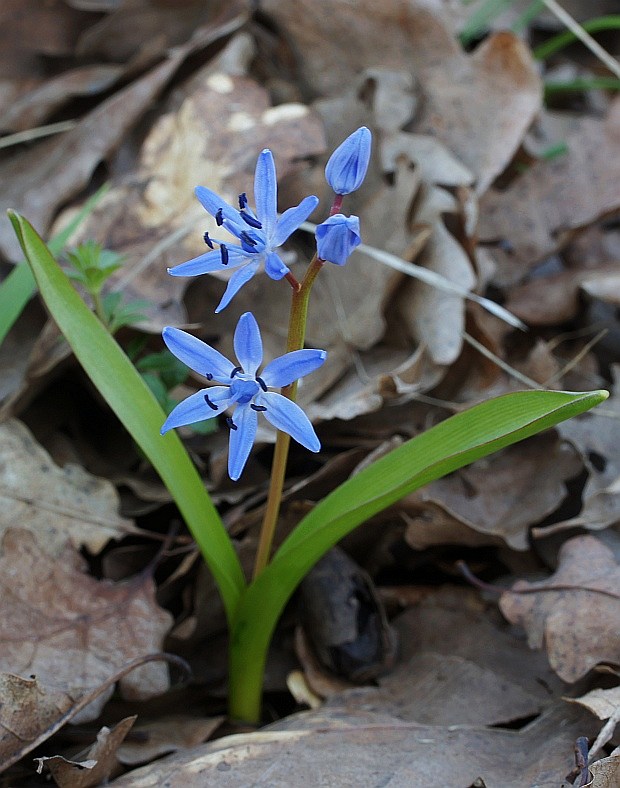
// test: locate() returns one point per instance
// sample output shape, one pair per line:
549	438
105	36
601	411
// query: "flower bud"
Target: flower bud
347	166
337	237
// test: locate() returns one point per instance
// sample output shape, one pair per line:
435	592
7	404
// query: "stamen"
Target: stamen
250	220
261	383
247	238
235	371
208	376
243	200
219	217
231	423
208	241
209	403
258	408
224	254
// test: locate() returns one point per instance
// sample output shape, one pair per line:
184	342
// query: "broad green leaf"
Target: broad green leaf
19	286
130	398
453	443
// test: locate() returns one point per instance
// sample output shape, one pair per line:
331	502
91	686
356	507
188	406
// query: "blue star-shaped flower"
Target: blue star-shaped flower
243	388
259	234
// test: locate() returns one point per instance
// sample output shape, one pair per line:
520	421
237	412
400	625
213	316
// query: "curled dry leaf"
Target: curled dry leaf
576	612
364	748
495	500
540	210
95	766
56	504
73	631
27	709
37	182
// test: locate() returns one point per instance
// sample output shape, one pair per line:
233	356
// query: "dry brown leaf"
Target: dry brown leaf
96	765
73	631
597	438
56	504
555	299
494	500
169	733
579	628
478	105
36	182
605	703
540	210
27	709
332	747
606	772
457	665
34	106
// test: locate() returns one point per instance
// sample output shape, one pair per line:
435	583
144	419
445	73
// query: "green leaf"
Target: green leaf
453	443
130	398
19	286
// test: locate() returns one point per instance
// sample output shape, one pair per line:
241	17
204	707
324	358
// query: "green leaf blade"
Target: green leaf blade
130	398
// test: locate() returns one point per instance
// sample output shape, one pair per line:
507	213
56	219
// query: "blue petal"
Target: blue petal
237	280
288	417
337	237
212	203
199	356
292	366
241	439
210	261
195	407
248	343
266	192
347	166
291	219
275	266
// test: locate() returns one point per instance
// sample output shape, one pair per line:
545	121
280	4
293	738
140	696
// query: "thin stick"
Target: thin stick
577	30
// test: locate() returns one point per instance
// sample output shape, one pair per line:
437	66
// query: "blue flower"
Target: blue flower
259	234
337	237
347	166
242	388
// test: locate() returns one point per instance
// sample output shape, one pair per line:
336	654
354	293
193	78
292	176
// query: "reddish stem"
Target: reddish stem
336	205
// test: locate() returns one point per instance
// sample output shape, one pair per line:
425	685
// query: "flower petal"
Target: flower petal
196	408
237	280
291	219
347	166
199	356
275	266
284	370
288	417
266	191
210	261
212	203
241	439
337	237
248	343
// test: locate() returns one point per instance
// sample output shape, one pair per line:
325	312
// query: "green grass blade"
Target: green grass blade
479	21
585	83
453	443
553	45
130	398
19	286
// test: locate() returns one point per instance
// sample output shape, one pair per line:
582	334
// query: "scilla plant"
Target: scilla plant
243	390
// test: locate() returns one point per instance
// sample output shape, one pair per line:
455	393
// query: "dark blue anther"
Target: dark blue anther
261	383
208	376
231	423
209	403
258	408
208	241
247	238
235	371
243	200
250	220
219	217
224	254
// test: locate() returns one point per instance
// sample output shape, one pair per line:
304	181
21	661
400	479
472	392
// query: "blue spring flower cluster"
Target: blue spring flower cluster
259	233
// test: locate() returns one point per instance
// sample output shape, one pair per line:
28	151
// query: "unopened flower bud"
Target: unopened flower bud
337	237
347	166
